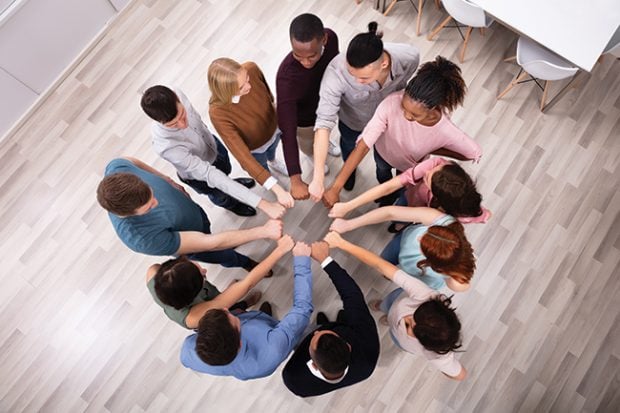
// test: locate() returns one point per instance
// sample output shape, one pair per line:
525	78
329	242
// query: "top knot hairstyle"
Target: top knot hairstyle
306	27
365	48
438	84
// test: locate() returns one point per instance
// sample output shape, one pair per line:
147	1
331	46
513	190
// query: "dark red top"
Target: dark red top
297	90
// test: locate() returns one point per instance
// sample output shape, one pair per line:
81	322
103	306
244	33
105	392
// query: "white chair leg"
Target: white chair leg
419	18
438	28
467	35
544	96
512	84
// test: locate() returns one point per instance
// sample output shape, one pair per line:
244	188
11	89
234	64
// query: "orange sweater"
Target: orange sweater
249	124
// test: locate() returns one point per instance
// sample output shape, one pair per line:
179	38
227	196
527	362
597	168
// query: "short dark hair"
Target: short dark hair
123	193
332	354
160	103
455	192
365	48
178	282
217	341
306	27
437	327
438	84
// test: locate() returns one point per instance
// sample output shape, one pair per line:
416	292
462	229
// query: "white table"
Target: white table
577	30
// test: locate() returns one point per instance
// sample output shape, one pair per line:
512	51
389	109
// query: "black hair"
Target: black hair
217	340
306	27
365	48
455	192
160	103
438	84
437	327
332	354
178	282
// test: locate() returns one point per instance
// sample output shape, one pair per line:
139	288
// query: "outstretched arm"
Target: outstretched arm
332	195
341	209
423	215
238	290
194	241
367	257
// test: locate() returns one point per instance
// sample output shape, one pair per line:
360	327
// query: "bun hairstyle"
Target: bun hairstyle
365	48
455	192
447	251
438	84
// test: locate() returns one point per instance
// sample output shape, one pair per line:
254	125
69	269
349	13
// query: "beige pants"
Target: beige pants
305	140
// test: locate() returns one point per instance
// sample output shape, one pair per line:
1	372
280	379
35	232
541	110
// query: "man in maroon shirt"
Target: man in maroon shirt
297	87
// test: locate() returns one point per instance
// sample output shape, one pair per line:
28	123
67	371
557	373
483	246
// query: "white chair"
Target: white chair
540	64
465	14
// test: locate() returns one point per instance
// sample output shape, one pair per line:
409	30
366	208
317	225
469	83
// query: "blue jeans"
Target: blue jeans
226	258
219	198
383	172
348	138
269	154
385	306
392	249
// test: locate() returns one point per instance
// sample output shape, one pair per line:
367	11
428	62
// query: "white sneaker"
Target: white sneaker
333	150
278	166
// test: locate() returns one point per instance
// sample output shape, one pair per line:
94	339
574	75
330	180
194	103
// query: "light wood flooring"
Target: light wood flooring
79	331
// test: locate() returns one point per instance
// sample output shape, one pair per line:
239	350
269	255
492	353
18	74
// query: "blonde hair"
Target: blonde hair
222	76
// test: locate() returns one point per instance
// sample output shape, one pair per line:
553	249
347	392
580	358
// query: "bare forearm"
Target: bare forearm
375	193
370	258
350	164
321	145
192	242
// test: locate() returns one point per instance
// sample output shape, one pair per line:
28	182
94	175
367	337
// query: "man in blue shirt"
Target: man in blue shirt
253	344
154	215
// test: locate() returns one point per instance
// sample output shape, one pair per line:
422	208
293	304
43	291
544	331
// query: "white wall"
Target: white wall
38	40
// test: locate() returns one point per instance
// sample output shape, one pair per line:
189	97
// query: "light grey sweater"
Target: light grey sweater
341	96
192	150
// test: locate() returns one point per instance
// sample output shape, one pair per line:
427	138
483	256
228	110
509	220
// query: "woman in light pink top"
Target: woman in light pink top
435	182
410	125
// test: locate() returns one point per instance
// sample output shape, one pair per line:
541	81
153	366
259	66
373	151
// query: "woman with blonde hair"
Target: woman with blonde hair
242	111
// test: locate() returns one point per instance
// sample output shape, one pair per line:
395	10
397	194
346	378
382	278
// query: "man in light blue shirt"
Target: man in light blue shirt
252	344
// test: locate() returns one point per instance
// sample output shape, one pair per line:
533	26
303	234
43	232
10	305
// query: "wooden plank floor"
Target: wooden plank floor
541	328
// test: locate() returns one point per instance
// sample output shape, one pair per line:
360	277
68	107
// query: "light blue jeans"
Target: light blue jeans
269	154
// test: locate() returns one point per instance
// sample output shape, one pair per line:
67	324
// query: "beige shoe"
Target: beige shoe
374	305
383	320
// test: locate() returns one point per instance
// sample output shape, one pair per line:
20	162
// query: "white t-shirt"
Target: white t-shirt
416	293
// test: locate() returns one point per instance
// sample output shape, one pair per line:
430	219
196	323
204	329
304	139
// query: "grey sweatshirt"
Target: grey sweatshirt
192	150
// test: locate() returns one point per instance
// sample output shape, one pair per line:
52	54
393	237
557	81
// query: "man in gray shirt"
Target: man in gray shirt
201	160
351	89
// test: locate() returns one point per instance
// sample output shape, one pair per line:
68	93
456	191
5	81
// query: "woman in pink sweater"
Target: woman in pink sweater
410	125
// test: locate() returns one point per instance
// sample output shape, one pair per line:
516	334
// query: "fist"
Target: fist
301	249
330	197
299	190
339	225
339	210
286	243
273	229
333	239
320	251
286	200
316	190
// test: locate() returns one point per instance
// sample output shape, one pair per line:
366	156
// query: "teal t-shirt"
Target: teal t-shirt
157	231
207	293
411	253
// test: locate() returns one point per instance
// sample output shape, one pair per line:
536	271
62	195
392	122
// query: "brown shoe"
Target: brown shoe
252	298
251	264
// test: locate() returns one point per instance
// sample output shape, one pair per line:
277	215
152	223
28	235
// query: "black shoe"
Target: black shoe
340	317
321	318
242	210
247	182
387	200
251	264
350	182
393	230
266	308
